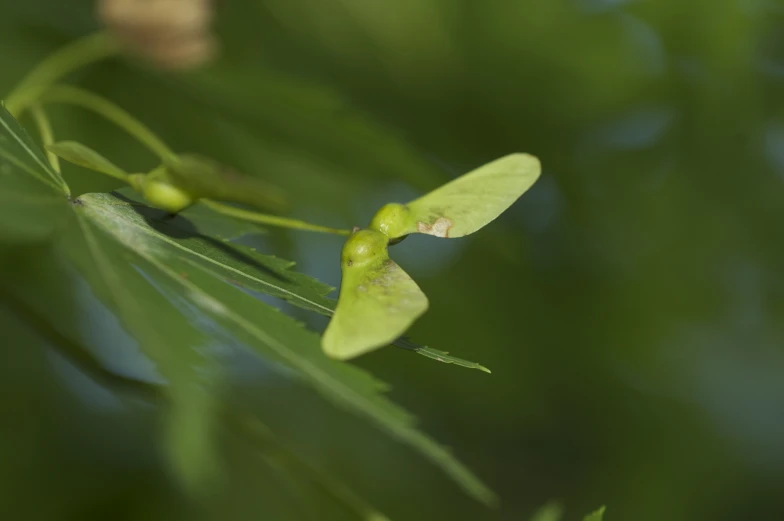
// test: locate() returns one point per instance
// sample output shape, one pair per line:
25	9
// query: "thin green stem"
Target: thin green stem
112	112
47	135
272	220
77	54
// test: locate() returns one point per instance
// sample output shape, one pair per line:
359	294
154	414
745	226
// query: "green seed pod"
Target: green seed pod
363	247
165	196
392	220
464	205
378	300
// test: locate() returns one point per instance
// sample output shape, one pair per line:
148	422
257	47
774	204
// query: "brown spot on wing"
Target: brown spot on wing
440	228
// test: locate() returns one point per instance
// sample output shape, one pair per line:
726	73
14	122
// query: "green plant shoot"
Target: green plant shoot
86	157
378	301
180	181
184	180
463	205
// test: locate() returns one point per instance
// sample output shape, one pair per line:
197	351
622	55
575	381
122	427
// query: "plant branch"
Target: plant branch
272	220
77	54
110	111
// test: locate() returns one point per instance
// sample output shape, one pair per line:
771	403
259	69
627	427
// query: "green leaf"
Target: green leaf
193	232
302	116
300	469
440	356
153	312
378	300
550	512
597	515
465	204
83	156
33	197
172	294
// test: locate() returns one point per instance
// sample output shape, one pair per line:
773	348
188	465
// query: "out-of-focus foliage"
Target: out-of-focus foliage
629	305
174	290
553	511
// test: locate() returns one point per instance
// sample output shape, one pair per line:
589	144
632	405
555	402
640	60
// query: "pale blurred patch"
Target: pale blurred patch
170	34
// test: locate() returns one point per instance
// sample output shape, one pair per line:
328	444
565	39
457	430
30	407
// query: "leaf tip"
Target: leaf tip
596	515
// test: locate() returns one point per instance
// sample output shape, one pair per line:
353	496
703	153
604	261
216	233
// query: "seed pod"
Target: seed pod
161	194
378	300
464	205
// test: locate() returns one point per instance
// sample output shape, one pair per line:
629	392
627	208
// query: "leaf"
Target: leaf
378	301
597	515
83	156
550	512
301	469
465	204
440	356
190	234
303	116
163	323
144	273
33	197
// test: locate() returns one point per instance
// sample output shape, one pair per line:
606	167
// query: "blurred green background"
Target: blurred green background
631	305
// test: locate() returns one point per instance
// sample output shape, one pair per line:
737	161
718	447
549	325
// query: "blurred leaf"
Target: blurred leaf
549	512
183	351
81	155
597	515
276	451
33	197
309	117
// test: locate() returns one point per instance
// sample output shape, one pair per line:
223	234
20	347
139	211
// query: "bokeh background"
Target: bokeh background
631	305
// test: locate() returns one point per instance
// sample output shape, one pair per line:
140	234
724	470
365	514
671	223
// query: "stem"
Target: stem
112	112
272	220
47	135
47	138
73	56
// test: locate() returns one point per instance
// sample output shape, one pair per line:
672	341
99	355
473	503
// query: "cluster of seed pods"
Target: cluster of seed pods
378	301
